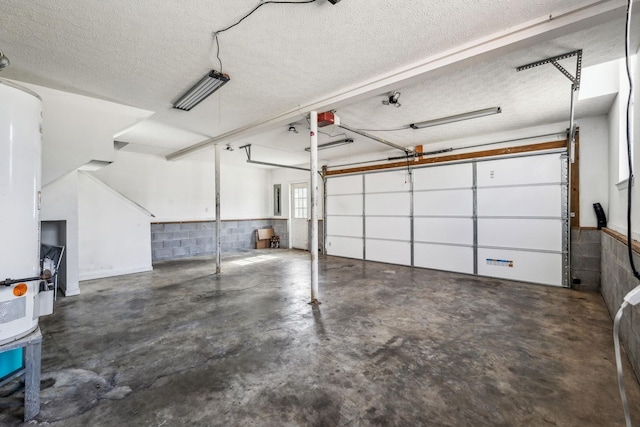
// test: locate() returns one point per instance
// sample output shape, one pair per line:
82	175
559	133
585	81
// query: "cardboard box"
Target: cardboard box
263	238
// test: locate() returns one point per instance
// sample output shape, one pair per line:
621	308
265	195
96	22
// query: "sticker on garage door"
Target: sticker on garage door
500	262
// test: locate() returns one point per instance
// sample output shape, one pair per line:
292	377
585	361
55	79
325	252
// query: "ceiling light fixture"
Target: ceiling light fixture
457	118
292	129
201	90
332	144
392	99
4	61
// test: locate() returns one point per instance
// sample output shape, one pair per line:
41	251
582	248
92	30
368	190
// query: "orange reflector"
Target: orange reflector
20	289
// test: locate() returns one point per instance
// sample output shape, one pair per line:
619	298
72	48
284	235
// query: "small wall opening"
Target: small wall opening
55	233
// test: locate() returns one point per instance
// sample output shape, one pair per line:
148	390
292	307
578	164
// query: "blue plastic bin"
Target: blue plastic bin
10	361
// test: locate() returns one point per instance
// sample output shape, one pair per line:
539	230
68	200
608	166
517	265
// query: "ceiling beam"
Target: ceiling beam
517	37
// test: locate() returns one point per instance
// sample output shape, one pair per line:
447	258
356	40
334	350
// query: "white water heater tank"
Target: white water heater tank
20	165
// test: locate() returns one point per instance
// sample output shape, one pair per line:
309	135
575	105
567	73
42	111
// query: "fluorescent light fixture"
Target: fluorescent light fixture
456	118
205	87
332	144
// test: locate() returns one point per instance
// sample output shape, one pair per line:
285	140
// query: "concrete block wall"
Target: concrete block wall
280	226
188	239
585	259
617	281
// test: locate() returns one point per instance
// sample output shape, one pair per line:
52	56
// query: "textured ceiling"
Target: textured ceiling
527	98
146	53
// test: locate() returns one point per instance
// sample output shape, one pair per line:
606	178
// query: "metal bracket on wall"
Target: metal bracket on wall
554	60
575	86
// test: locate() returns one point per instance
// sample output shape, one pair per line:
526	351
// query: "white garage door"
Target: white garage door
344	216
521	216
443	218
387	207
502	218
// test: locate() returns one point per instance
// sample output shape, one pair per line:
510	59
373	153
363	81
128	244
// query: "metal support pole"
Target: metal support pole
31	346
572	130
364	216
566	218
218	219
474	166
412	215
324	210
572	157
313	248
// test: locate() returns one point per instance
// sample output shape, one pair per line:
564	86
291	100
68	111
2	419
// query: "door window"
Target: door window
300	207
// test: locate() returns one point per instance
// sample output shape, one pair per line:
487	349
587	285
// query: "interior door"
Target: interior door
300	215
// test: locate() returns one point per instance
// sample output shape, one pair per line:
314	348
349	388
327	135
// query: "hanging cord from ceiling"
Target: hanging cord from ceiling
633	297
262	3
335	135
408	176
630	141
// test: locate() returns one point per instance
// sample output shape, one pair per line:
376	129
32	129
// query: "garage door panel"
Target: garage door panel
442	257
395	181
444	203
344	185
534	201
520	170
389	228
389	204
541	234
536	267
344	205
444	230
443	177
344	226
517	221
390	252
348	247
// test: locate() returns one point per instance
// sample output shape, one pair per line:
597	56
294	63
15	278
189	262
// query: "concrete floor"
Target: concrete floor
389	345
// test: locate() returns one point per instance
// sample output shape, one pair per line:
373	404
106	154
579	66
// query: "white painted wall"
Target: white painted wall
78	129
60	202
245	192
115	235
286	178
184	190
106	235
594	157
617	185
